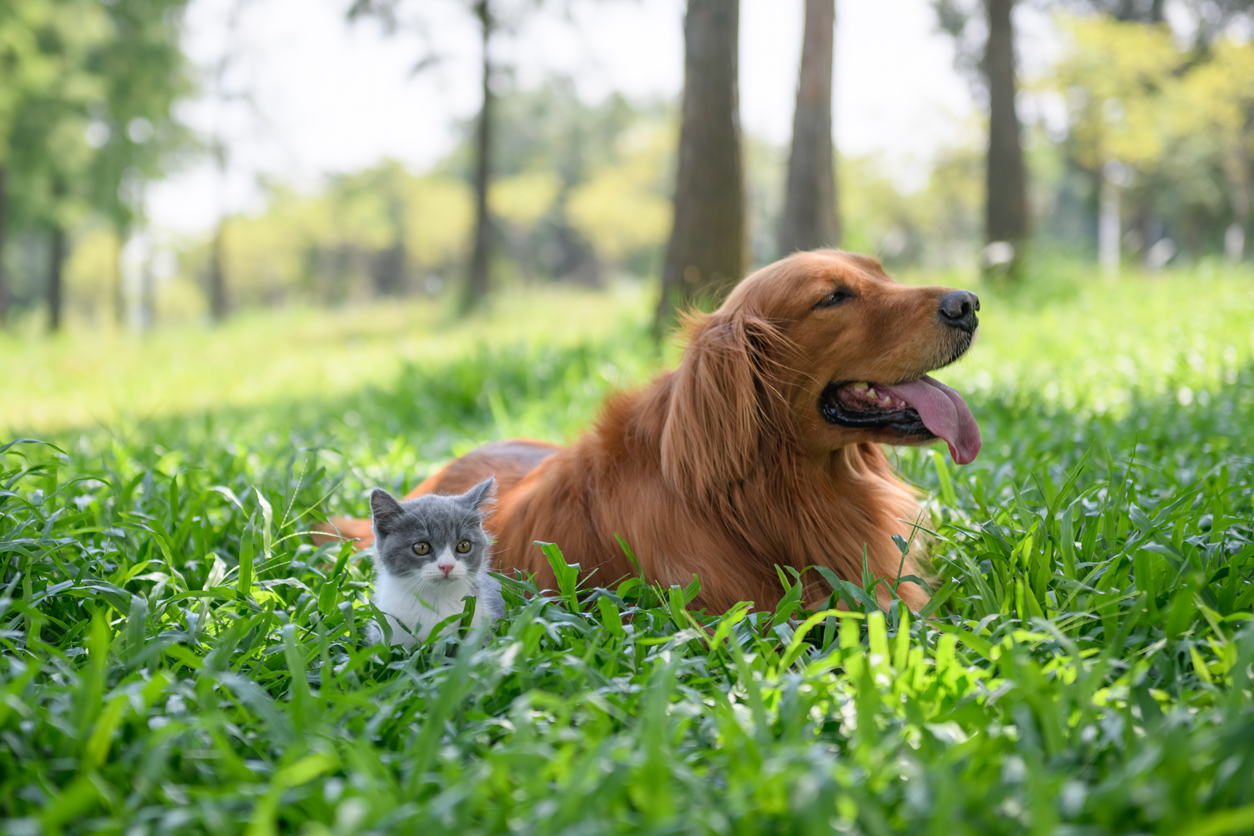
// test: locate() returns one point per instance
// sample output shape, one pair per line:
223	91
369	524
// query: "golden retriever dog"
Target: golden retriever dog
761	449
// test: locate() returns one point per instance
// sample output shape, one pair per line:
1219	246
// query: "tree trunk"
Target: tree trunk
1238	177
706	253
147	294
56	263
1109	228
4	280
810	218
119	289
1129	10
479	279
217	273
1006	209
389	268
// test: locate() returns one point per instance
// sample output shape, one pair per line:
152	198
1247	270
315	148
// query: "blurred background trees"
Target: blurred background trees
991	67
809	218
86	118
706	252
1162	128
1134	144
1006	195
493	17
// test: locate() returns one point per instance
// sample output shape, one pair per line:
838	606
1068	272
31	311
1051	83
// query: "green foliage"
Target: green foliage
178	657
574	187
1178	118
86	96
43	144
580	189
1114	75
90	271
377	232
933	225
623	208
142	72
607	169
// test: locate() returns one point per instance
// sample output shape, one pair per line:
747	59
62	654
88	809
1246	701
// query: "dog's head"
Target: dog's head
815	352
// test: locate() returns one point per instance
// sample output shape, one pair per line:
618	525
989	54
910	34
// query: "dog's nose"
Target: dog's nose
958	309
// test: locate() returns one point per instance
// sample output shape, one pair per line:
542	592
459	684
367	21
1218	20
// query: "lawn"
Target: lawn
177	657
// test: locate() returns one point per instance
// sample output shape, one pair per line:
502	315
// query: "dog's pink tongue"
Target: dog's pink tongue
944	412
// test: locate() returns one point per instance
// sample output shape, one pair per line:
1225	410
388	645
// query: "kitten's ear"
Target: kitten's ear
385	509
480	494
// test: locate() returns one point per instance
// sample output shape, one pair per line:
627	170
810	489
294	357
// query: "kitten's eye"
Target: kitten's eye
463	547
422	548
835	298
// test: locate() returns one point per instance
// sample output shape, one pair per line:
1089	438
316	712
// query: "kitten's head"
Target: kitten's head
433	538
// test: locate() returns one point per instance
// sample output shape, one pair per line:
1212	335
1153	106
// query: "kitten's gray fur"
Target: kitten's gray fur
419	591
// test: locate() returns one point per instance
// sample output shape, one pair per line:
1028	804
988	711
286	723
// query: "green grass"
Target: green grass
178	658
88	377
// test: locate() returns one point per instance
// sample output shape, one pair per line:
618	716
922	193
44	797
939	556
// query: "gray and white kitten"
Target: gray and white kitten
431	552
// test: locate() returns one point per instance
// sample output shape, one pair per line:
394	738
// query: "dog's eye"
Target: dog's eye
463	547
422	548
835	298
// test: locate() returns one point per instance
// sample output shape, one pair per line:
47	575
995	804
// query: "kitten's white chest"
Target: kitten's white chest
413	609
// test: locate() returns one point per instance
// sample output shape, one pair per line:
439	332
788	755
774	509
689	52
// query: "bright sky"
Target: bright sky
330	96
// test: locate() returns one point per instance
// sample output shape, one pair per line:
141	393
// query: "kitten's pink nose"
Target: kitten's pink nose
445	568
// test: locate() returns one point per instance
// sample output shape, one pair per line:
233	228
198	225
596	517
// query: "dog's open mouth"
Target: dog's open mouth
918	409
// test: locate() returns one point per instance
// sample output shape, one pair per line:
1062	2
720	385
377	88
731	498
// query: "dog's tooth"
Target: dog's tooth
861	386
871	392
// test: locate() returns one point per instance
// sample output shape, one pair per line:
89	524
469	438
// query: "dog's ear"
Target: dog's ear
726	405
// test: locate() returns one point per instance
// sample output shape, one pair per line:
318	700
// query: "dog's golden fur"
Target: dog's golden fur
725	467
